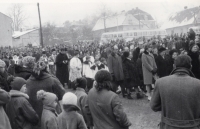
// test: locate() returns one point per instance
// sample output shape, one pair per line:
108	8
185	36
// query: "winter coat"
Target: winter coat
4	121
3	81
162	66
22	72
177	97
20	112
46	82
62	72
148	64
83	104
195	63
130	71
71	120
107	111
49	118
115	67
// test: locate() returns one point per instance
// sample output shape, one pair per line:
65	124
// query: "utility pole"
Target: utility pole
41	37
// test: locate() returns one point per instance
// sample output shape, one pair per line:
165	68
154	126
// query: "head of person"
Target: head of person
76	53
194	48
173	53
162	51
126	49
155	50
81	82
126	54
103	80
183	61
2	66
44	53
62	51
18	84
28	62
148	47
103	60
48	99
115	49
69	102
39	69
53	51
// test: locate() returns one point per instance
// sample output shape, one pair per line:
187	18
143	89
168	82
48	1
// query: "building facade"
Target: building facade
5	30
134	19
180	22
25	38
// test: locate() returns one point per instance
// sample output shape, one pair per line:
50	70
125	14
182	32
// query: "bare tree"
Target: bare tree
16	12
105	13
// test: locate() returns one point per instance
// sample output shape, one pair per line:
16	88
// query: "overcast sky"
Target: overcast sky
59	11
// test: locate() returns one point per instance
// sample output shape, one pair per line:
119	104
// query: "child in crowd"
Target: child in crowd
20	112
82	102
49	100
70	118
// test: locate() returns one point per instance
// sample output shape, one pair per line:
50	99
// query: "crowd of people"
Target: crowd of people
33	81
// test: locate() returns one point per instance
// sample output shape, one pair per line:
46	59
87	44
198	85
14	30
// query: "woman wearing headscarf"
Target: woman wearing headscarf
105	106
27	68
42	80
149	68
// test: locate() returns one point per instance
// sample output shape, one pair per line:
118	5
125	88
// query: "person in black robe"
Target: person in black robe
62	72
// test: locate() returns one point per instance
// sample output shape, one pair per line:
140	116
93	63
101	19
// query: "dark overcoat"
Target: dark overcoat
62	72
115	67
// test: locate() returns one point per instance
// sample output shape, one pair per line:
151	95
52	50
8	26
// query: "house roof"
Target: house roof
112	21
182	18
19	33
140	14
6	15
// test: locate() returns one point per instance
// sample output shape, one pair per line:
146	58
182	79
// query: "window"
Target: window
135	33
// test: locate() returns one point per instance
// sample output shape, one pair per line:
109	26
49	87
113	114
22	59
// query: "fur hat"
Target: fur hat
28	61
46	97
161	49
70	99
2	64
102	75
17	83
39	66
183	61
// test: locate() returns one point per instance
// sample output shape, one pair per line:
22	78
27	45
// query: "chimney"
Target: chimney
20	29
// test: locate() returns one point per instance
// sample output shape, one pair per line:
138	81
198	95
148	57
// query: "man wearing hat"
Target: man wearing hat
62	72
177	97
161	63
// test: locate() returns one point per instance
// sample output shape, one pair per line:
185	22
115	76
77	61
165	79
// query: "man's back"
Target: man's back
178	98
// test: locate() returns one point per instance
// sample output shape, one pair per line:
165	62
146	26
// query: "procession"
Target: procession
124	77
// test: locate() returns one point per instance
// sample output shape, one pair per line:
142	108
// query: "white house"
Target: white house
131	20
180	22
24	38
5	30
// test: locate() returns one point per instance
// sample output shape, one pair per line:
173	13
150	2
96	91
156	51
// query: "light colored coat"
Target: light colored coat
75	69
148	64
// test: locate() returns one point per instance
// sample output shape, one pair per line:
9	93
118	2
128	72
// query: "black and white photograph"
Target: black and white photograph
100	64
